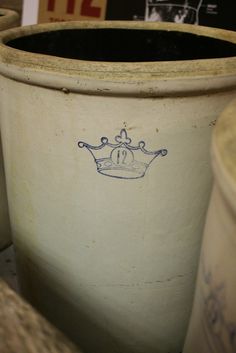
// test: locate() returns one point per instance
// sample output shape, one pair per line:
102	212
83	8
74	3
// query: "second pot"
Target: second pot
8	19
212	326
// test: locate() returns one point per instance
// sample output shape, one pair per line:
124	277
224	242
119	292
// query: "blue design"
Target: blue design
121	160
220	332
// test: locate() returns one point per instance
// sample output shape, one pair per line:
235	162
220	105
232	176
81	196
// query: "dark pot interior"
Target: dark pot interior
124	45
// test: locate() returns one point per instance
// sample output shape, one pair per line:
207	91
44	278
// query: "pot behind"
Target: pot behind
213	320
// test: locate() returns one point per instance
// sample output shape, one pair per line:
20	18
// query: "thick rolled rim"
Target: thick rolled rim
224	153
8	18
7	12
142	78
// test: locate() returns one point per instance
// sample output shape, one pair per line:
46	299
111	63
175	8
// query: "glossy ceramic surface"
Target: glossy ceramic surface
108	176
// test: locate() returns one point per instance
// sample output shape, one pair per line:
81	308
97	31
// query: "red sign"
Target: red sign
65	10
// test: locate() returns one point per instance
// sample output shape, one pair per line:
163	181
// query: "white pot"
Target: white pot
8	19
108	173
213	322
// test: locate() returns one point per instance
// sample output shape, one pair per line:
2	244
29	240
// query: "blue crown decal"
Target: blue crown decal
121	160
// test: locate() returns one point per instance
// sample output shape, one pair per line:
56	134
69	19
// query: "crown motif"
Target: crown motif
121	160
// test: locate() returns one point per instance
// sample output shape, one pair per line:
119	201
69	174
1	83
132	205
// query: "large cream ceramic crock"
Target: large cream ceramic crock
8	19
213	322
106	153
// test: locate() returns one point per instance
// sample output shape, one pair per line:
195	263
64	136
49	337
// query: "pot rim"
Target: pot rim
224	153
8	18
136	78
7	12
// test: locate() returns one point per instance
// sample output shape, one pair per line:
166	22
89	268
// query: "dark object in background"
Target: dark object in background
212	13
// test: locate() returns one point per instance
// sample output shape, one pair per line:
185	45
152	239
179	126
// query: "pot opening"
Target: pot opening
124	45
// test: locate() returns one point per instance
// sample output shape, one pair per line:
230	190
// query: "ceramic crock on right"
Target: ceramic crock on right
213	322
8	19
106	153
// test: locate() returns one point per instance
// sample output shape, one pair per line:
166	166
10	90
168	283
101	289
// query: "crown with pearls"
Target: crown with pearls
121	160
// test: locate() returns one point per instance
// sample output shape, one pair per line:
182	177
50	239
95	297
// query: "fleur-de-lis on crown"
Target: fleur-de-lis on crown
123	137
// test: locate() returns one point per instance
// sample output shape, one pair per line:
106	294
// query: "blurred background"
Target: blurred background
213	13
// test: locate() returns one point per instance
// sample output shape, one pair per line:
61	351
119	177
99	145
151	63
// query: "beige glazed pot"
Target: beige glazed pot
213	322
8	19
106	153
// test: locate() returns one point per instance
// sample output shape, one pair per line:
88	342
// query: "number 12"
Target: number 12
86	8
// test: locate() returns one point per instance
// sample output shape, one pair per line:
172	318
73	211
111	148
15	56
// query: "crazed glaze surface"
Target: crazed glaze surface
8	19
108	180
213	321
